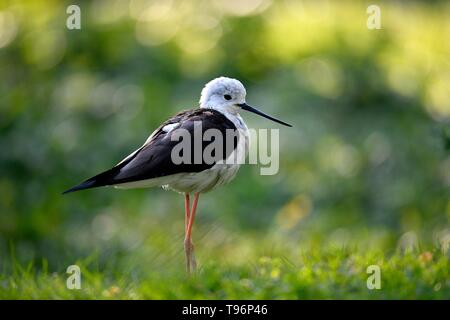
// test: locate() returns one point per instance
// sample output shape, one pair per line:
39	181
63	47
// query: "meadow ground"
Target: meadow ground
307	273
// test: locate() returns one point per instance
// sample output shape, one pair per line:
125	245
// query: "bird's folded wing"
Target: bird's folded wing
154	158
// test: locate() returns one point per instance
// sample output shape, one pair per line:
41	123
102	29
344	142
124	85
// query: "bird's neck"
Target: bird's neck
231	113
237	121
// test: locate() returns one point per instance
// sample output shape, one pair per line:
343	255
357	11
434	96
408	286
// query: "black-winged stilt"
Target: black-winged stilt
153	164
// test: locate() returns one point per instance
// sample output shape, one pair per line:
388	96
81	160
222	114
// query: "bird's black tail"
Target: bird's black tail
103	179
88	184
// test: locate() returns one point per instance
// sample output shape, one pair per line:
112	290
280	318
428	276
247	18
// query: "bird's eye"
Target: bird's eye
227	97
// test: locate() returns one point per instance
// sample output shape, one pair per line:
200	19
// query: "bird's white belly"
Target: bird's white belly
203	181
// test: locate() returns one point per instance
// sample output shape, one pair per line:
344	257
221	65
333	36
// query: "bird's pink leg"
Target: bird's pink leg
187	209
191	264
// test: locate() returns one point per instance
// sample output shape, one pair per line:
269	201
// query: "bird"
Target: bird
152	165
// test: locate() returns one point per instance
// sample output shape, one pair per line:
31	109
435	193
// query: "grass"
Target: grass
312	273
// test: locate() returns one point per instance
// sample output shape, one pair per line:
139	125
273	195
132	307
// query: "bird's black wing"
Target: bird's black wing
154	158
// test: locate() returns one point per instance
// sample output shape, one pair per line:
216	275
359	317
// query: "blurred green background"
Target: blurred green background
366	165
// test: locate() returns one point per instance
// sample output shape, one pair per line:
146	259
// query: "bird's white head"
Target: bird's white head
227	96
223	94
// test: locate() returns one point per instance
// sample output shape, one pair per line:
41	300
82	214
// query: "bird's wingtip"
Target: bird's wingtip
85	185
68	191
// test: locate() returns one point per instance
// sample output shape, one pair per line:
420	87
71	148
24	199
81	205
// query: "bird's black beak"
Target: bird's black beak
245	106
